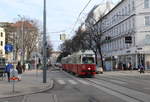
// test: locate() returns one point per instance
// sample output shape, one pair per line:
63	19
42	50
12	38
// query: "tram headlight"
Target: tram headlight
89	68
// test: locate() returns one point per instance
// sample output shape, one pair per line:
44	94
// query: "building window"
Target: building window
147	20
1	52
147	3
1	34
129	10
126	10
133	7
130	24
126	23
122	11
133	23
123	27
1	43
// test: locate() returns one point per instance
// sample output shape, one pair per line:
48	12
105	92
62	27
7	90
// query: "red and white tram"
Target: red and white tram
80	63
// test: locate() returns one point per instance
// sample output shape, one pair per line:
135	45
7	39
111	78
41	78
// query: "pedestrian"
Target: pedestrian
23	67
141	69
19	69
124	66
8	67
129	66
27	66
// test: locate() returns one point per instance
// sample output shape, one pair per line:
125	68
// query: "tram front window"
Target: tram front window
87	60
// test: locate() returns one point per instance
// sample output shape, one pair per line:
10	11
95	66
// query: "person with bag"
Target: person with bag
8	67
141	69
19	69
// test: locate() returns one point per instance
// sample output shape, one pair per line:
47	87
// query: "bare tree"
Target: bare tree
94	37
49	47
27	36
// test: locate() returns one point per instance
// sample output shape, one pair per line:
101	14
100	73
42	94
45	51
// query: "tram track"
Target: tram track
130	95
125	80
103	88
90	98
116	93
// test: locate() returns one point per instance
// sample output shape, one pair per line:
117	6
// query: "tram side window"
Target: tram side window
88	60
69	61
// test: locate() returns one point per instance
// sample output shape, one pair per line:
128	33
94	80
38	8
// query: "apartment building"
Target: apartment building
2	42
128	19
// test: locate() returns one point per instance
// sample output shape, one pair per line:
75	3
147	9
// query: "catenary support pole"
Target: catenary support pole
44	44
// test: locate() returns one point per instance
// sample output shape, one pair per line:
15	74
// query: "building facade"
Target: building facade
126	35
2	42
54	56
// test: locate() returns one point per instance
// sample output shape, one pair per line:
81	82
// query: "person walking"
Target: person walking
129	66
8	67
23	67
19	69
141	68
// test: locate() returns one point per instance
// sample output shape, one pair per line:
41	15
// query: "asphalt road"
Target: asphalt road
107	87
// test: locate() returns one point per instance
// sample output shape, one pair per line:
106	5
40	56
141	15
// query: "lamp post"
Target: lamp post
22	37
44	44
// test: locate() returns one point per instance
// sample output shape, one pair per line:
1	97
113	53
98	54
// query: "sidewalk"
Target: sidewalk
126	72
32	82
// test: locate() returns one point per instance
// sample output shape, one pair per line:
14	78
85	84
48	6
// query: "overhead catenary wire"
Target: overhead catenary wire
57	31
77	20
80	15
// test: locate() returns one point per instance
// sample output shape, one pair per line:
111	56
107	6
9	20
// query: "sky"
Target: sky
61	14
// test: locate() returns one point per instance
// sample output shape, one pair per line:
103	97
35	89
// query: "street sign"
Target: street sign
128	39
8	48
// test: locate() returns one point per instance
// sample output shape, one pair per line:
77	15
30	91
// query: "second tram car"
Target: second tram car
80	63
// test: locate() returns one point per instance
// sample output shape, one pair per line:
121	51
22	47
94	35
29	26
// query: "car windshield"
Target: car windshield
87	60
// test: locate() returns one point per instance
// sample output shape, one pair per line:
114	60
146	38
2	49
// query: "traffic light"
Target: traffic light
63	37
128	39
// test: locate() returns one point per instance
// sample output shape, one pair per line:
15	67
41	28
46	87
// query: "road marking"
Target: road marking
75	78
83	82
147	88
62	82
119	82
55	98
72	82
25	98
55	71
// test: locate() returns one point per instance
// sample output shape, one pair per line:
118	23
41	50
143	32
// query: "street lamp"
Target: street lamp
44	44
22	37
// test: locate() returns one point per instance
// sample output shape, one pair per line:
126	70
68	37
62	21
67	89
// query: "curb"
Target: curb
48	87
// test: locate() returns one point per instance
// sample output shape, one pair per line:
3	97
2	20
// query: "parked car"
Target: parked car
58	65
99	70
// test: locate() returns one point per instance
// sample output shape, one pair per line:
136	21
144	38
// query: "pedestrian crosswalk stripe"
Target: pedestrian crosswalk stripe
119	82
72	82
83	82
61	82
